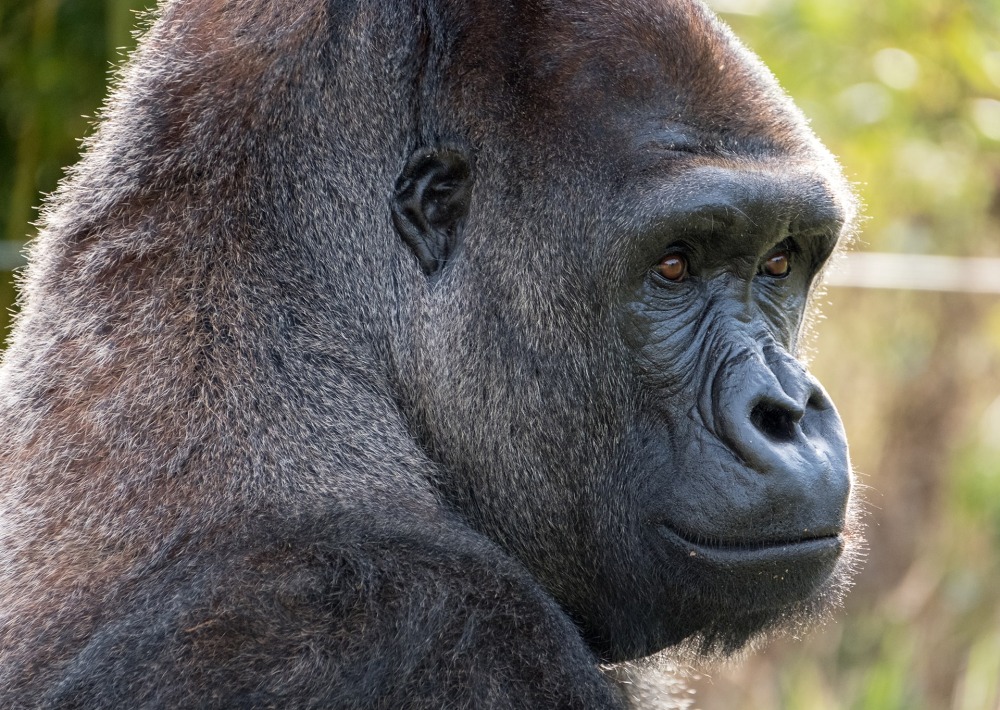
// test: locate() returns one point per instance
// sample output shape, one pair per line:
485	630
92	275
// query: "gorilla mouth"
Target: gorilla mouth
733	550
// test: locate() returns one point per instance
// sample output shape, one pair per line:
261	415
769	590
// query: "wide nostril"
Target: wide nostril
774	421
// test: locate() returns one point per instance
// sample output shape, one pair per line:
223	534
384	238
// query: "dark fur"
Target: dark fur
250	454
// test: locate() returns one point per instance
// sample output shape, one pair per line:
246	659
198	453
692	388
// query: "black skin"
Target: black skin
421	355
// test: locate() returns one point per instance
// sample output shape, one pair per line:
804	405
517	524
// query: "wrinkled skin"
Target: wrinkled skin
350	372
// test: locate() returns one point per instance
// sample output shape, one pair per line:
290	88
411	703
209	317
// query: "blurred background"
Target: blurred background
907	93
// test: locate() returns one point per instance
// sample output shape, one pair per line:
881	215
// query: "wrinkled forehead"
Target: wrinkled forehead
638	65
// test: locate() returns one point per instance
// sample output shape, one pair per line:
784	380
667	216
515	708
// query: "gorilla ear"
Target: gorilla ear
430	204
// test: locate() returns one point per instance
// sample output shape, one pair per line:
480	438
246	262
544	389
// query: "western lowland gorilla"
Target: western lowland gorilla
418	355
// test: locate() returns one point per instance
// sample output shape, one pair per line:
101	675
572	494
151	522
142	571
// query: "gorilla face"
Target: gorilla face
607	362
741	455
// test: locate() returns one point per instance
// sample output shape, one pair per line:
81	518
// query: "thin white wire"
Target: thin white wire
918	272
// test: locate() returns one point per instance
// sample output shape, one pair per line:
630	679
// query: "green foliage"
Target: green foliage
54	63
55	59
907	95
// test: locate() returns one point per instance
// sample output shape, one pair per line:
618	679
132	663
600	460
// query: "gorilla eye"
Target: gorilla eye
673	267
777	264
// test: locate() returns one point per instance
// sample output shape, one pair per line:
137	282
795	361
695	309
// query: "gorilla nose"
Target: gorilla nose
775	416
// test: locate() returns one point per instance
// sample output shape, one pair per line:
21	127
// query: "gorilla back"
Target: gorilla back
419	354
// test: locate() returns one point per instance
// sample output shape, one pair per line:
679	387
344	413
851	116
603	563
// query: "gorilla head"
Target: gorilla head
423	354
602	356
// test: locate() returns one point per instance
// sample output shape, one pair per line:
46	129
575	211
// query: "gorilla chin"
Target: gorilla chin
730	595
796	572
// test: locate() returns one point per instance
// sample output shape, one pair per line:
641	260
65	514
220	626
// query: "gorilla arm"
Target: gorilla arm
391	619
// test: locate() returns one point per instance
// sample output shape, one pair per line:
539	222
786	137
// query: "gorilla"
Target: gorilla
425	354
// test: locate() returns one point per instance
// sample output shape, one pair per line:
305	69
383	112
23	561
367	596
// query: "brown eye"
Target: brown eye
777	264
673	267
